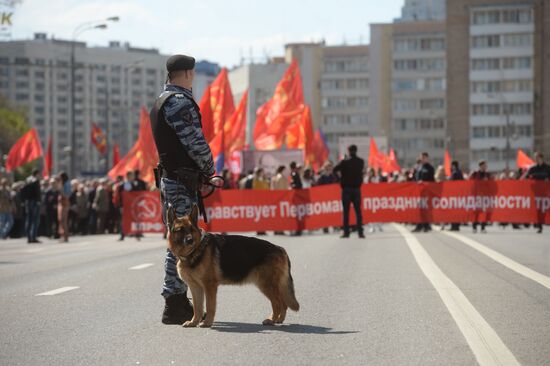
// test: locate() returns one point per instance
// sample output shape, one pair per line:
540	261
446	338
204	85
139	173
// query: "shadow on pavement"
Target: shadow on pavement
232	327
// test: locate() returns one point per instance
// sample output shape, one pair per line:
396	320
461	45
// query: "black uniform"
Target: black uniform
539	172
426	173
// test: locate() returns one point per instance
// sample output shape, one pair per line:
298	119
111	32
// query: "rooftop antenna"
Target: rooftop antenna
241	56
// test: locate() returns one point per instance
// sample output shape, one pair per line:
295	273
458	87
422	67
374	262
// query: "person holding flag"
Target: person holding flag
184	160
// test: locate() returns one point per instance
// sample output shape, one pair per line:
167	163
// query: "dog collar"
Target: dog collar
195	256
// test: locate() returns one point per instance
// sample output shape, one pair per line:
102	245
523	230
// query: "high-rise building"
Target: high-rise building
408	87
260	80
111	85
497	79
336	87
420	10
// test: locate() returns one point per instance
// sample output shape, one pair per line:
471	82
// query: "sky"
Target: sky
221	31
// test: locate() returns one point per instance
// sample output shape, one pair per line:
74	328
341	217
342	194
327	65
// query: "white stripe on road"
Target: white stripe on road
482	339
505	261
140	266
58	291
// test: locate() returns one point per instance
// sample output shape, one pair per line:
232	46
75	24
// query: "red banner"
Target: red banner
309	209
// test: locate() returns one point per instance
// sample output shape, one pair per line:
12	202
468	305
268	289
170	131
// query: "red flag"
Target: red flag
48	160
281	111
320	149
235	131
447	163
142	156
300	136
391	165
232	137
373	154
523	161
216	105
99	139
116	154
26	149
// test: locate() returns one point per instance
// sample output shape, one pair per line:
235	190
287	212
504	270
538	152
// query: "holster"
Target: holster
156	172
190	179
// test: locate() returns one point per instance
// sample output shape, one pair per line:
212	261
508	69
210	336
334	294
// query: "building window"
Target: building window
517	40
22	61
486	17
518	109
523	131
438	103
486	64
516	63
404	105
404	84
517	16
21	85
486	41
485	109
21	72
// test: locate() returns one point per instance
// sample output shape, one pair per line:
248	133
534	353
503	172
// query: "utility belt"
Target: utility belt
191	179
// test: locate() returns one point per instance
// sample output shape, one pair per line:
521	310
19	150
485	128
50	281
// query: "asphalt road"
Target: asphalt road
391	299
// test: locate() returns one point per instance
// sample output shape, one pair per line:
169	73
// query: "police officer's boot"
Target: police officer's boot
178	309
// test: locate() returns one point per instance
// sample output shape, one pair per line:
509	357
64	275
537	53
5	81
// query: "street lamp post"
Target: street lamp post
506	109
99	24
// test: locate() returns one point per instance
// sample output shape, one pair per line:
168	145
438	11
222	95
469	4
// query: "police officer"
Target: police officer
184	157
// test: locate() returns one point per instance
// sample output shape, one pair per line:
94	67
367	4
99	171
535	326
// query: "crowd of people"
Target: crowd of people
59	207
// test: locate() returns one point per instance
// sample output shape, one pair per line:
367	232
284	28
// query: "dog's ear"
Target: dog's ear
194	214
170	216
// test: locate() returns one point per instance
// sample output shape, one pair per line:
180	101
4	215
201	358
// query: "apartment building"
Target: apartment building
498	74
336	86
422	10
111	85
260	80
408	87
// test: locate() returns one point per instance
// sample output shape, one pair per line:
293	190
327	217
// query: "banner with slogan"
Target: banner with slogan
317	207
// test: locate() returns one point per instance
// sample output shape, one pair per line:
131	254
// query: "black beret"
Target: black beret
180	62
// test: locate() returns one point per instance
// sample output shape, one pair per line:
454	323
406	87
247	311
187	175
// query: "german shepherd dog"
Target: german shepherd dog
206	261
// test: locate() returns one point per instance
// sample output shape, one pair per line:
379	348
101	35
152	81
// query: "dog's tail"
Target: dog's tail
288	292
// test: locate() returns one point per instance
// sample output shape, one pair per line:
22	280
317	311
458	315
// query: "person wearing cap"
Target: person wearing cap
184	156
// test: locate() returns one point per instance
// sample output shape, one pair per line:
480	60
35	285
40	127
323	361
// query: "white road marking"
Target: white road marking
502	259
58	291
33	250
482	339
141	266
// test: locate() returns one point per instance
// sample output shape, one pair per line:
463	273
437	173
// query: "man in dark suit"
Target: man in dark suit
424	173
351	171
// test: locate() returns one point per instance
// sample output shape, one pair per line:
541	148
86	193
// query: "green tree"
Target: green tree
13	124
